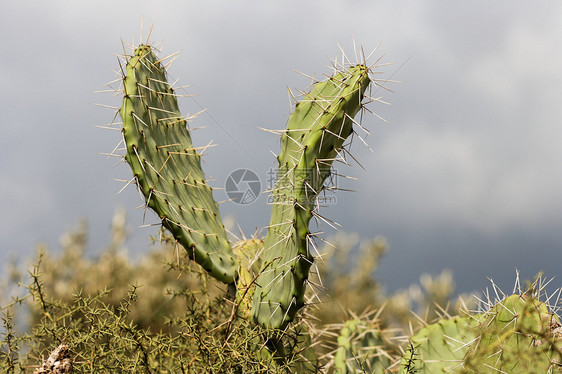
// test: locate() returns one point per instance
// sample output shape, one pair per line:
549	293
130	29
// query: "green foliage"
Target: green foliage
158	276
348	281
176	320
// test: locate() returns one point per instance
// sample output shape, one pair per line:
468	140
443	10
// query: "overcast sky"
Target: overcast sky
465	174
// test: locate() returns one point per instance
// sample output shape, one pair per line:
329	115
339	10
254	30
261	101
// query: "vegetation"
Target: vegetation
164	313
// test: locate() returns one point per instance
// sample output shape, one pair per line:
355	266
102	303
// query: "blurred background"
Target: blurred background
465	173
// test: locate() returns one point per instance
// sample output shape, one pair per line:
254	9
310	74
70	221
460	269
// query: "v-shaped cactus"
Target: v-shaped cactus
168	172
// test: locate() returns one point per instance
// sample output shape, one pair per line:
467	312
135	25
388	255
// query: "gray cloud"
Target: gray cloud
465	175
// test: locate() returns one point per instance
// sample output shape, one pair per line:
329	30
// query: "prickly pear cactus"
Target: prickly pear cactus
316	130
267	278
247	251
518	335
440	347
361	349
167	168
304	351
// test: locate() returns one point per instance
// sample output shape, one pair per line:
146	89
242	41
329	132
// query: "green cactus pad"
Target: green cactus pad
247	251
303	351
360	349
440	347
168	169
519	335
315	134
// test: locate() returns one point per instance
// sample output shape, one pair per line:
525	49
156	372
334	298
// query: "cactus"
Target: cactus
247	251
361	348
517	335
440	347
314	137
167	168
